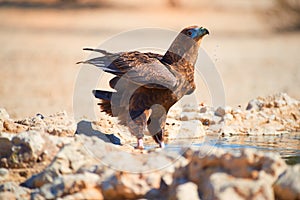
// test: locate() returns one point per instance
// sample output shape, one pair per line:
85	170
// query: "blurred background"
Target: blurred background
255	45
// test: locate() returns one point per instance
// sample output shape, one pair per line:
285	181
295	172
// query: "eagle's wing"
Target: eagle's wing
143	69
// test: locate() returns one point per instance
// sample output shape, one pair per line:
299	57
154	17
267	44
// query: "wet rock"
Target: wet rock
288	185
183	191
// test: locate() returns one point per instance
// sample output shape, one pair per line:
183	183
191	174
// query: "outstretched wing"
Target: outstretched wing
140	68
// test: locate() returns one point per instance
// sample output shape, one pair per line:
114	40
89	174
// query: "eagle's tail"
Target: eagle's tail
106	53
105	103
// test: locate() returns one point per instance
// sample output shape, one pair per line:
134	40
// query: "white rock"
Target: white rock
187	190
188	130
3	173
228	117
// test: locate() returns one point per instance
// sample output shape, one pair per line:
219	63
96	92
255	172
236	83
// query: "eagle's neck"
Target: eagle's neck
180	52
181	57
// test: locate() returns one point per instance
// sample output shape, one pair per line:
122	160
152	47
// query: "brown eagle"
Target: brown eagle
147	85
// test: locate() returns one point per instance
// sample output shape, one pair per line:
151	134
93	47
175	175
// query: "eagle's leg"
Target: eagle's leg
156	126
137	127
140	144
159	139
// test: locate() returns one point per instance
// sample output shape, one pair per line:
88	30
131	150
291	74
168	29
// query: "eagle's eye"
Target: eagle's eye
189	33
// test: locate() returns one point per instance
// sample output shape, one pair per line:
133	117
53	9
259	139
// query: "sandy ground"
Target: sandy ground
39	49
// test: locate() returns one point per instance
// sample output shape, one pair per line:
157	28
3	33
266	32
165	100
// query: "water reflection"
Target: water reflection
287	145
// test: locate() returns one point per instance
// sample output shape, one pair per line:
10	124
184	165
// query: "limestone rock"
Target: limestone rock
255	105
26	148
3	116
6	147
271	115
220	112
185	130
60	124
99	161
74	161
246	166
223	186
3	173
183	191
130	186
288	185
57	124
7	195
90	193
69	184
18	192
68	160
11	127
29	144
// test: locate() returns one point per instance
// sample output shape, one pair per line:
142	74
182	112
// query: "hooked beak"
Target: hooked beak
202	32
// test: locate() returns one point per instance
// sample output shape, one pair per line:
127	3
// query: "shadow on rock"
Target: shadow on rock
86	128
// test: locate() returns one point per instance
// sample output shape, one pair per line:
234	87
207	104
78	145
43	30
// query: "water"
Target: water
287	145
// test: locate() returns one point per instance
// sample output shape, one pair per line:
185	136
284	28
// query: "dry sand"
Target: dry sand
39	49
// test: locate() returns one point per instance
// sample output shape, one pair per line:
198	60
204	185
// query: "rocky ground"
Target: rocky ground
53	157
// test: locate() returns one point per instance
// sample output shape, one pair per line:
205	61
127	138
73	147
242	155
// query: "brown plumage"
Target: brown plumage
148	84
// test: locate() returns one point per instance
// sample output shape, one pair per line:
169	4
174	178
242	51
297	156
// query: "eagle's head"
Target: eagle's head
194	32
186	45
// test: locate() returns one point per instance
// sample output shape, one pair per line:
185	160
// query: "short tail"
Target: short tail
101	94
105	97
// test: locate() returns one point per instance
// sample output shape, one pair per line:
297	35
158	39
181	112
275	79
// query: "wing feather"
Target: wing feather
143	69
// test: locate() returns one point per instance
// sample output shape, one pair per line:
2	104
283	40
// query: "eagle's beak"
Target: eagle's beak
202	31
